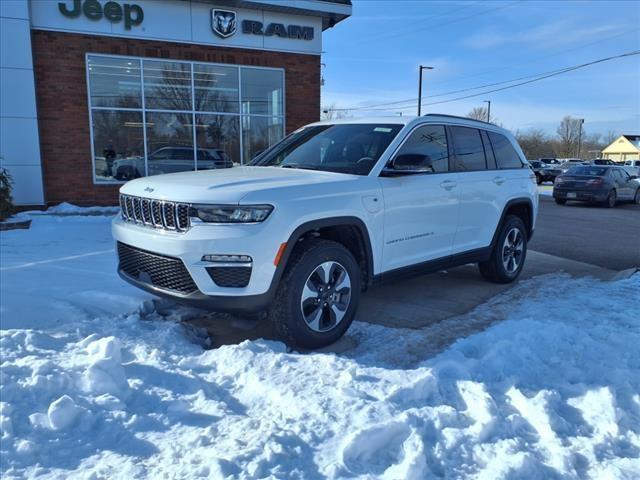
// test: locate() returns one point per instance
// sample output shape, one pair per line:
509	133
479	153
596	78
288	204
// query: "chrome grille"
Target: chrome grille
155	213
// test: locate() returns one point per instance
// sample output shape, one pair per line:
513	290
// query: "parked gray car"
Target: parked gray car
607	185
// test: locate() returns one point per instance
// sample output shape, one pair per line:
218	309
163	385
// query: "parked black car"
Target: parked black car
596	184
544	172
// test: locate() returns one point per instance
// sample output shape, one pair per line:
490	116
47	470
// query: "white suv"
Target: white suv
334	208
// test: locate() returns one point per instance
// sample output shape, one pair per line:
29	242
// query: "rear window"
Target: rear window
469	151
591	171
506	156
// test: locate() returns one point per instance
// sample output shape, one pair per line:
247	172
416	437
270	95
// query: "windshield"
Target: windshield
344	148
591	171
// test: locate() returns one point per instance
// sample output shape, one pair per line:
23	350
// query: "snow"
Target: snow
542	381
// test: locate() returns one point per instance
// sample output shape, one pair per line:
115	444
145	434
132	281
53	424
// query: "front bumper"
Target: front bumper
581	195
246	304
254	240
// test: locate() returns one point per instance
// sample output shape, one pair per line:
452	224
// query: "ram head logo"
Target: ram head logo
223	22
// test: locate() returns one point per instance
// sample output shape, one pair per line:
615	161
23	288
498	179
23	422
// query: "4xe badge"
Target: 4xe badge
223	22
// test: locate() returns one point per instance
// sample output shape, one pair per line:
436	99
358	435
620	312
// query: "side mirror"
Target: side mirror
409	163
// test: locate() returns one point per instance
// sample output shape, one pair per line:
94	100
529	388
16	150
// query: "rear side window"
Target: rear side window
488	151
506	156
469	151
429	141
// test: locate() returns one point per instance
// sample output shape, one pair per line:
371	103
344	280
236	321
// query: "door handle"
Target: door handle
448	184
499	180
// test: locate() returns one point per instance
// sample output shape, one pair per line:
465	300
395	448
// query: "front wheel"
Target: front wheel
560	201
538	179
636	198
509	252
318	295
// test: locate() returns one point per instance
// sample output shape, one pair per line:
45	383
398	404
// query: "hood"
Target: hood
226	185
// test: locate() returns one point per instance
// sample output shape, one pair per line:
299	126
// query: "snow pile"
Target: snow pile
65	208
549	388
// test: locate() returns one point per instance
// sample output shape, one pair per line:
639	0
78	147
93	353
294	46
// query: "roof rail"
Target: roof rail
457	116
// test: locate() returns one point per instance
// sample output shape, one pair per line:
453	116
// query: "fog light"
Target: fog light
227	258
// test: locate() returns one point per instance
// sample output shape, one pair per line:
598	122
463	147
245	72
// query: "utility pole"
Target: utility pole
488	102
581	120
420	68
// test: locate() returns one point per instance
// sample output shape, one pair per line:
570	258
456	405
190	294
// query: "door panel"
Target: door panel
421	210
421	218
481	190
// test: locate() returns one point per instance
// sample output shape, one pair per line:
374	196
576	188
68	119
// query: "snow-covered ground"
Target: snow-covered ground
96	383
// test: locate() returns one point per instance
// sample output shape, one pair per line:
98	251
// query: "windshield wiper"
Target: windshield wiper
297	165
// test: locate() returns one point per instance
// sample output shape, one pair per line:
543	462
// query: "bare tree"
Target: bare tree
535	143
609	137
332	112
480	113
568	133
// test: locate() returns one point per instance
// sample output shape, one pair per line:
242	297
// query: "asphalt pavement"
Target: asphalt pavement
606	237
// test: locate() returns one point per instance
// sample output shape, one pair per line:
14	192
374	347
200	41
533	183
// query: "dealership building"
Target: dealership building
95	92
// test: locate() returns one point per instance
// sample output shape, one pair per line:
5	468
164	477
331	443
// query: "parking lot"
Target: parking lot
609	238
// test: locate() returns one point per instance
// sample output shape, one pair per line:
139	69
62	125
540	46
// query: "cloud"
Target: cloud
542	36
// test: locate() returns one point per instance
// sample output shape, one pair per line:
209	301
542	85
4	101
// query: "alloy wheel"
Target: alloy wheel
512	250
326	296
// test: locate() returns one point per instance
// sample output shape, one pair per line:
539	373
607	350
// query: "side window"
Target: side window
488	152
506	156
430	142
469	151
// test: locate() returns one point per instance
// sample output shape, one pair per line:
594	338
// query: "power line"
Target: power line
544	57
531	79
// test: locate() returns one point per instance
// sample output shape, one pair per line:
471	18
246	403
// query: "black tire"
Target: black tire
611	200
636	198
538	179
495	270
560	201
287	314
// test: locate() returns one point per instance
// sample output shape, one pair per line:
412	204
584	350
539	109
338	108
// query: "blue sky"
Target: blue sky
372	58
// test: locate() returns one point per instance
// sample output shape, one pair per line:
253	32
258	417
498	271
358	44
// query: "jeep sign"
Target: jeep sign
112	11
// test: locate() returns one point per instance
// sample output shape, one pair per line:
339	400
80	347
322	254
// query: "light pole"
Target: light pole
420	69
488	102
581	120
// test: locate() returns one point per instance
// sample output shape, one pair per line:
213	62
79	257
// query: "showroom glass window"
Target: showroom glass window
151	116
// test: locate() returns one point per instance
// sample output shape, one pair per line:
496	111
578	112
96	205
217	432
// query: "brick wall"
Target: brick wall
63	116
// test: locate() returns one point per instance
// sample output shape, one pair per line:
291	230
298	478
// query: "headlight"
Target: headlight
231	213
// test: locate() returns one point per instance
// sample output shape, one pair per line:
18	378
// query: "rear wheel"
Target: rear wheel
612	199
318	295
636	198
560	201
509	252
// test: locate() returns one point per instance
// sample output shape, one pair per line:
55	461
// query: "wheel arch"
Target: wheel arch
520	207
349	231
